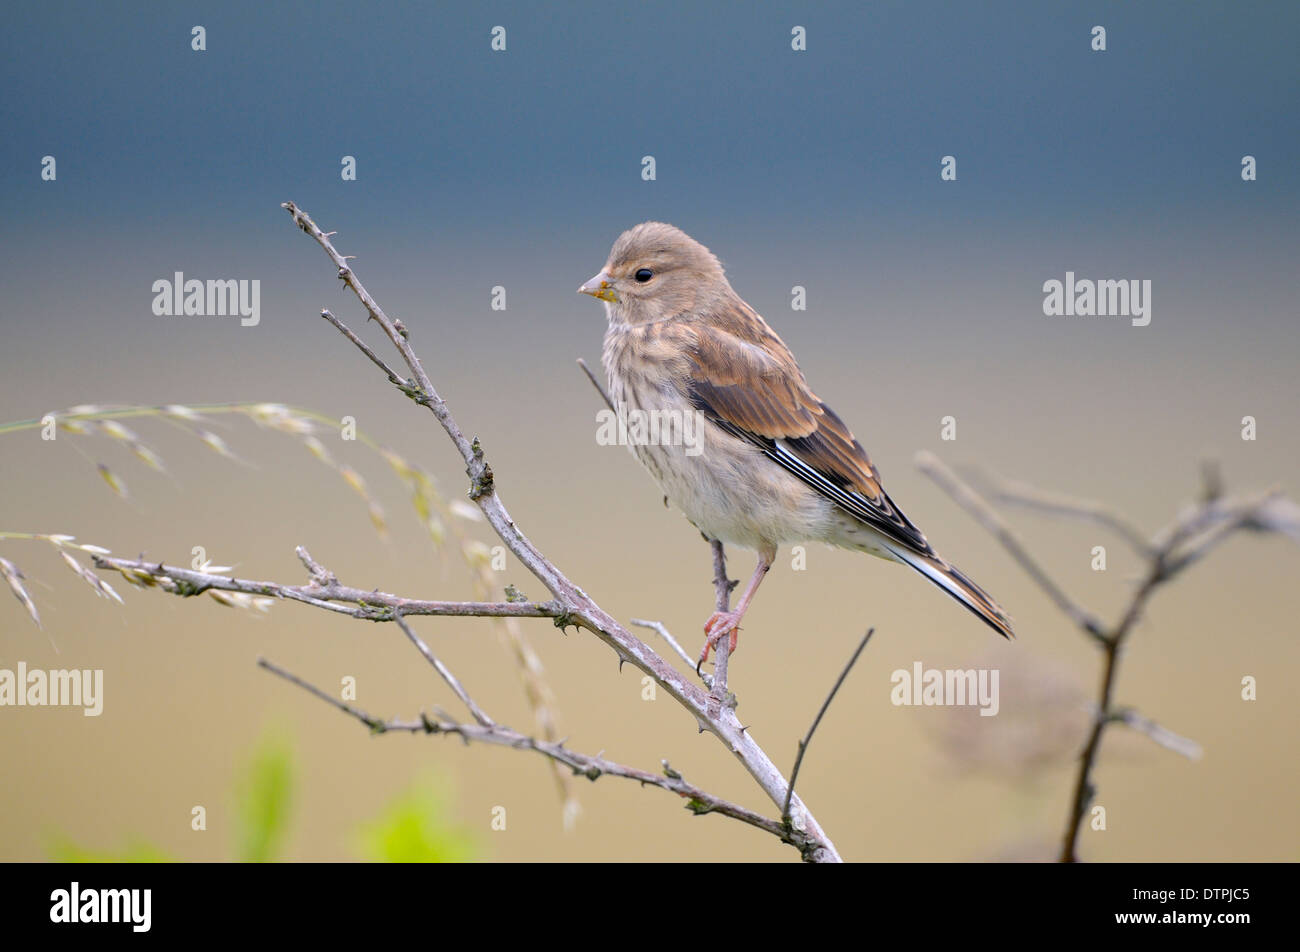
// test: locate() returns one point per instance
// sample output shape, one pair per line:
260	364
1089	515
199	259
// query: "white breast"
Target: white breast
728	489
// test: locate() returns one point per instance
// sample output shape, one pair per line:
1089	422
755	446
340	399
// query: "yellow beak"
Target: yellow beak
600	287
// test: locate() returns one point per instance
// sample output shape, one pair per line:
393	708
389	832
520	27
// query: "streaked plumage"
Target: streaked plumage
778	465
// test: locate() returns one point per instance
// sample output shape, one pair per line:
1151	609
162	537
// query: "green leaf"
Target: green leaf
414	828
265	793
63	850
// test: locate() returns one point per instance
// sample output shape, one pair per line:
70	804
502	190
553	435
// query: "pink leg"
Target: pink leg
722	624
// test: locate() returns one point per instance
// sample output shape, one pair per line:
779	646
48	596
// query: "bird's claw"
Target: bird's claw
720	625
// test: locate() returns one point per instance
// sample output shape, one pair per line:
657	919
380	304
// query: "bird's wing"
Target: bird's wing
741	376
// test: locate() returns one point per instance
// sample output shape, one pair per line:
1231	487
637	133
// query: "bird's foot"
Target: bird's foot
720	625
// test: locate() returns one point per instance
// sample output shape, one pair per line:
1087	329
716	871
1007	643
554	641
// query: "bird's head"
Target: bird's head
656	271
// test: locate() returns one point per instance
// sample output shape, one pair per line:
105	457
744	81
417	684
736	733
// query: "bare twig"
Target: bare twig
722	587
969	500
365	349
1203	528
374	723
1160	735
600	387
1194	533
662	630
370	605
699	801
1187	539
452	682
318	573
1022	494
803	744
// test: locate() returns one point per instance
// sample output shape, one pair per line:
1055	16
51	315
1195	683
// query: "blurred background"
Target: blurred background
518	168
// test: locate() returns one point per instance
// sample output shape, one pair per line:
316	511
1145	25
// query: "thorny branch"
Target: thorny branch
326	593
699	801
570	604
1197	530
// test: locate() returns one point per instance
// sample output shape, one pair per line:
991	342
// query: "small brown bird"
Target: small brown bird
771	462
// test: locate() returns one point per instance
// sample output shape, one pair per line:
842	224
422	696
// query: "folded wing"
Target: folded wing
742	377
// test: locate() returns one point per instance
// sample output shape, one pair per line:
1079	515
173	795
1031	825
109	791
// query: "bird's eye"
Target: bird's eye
644	275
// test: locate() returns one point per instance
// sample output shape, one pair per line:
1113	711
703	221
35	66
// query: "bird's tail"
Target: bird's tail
959	587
